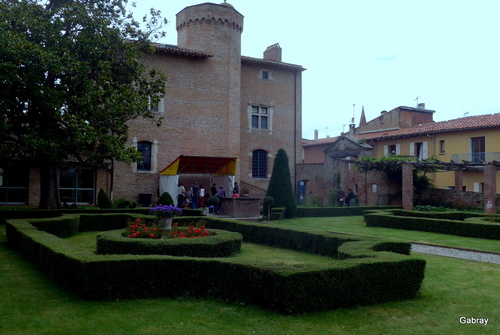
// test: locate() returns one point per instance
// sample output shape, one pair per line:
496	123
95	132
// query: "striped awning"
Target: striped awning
221	166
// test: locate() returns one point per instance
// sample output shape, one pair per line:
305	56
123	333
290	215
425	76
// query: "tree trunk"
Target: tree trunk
49	187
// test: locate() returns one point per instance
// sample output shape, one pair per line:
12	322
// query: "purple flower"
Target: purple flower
165	211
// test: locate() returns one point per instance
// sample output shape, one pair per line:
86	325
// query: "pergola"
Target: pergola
487	168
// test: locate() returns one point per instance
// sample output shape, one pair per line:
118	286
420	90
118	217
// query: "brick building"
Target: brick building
217	104
467	146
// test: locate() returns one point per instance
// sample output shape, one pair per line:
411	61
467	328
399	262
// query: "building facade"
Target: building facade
471	141
218	103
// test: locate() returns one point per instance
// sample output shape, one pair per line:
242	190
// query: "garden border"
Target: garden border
434	222
363	277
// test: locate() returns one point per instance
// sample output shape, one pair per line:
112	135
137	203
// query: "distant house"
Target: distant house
404	131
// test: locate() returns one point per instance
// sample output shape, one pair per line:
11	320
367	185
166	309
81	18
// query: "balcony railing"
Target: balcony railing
476	157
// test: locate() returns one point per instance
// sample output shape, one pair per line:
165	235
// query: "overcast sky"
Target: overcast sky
379	54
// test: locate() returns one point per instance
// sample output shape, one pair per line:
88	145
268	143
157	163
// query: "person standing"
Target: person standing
236	188
221	193
340	197
196	195
202	196
181	191
350	198
213	190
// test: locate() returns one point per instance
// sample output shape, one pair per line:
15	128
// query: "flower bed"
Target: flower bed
183	242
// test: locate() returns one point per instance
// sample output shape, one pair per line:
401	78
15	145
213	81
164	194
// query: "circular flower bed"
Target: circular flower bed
218	243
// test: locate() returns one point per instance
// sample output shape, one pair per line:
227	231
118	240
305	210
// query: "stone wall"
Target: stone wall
451	198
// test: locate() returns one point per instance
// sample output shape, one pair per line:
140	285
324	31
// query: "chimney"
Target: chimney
273	52
421	105
352	127
316	135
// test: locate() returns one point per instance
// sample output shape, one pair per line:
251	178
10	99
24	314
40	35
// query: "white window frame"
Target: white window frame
260	115
269	74
386	150
424	150
161	106
154	156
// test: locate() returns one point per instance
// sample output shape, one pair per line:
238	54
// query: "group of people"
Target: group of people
350	200
195	196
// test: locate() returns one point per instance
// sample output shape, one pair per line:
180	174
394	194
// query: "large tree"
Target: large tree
280	185
71	76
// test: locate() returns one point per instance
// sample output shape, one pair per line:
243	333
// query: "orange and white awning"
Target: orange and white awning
221	166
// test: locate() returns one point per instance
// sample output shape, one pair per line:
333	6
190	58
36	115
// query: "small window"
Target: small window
374	188
265	75
145	149
392	150
156	104
442	148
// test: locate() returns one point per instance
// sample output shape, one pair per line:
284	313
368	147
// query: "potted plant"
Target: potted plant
165	213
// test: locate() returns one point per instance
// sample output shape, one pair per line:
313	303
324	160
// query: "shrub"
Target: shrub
124	203
103	200
166	199
280	186
212	201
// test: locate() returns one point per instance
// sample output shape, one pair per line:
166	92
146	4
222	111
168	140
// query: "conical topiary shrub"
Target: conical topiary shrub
280	186
166	199
103	200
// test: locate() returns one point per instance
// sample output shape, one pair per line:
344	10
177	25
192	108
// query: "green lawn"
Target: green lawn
32	304
356	225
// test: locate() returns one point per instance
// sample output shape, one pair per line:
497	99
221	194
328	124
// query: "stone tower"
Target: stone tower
216	29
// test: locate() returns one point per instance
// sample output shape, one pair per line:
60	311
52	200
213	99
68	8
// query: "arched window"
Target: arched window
145	149
259	164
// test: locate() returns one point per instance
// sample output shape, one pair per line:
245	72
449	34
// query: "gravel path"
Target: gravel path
456	253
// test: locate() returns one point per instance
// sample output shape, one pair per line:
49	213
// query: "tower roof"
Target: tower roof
226	4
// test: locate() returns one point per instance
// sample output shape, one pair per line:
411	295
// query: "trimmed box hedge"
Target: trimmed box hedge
338	211
221	244
435	222
22	213
357	275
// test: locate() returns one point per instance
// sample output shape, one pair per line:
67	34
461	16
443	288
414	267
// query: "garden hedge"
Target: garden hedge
362	271
22	213
435	222
221	244
338	211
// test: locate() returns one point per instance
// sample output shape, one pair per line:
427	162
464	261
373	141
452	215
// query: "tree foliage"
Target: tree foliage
392	166
71	76
280	186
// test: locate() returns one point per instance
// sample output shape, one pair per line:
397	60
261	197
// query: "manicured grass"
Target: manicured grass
254	254
32	304
356	225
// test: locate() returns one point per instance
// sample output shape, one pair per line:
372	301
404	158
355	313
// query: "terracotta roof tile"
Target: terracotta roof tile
174	50
465	123
260	61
